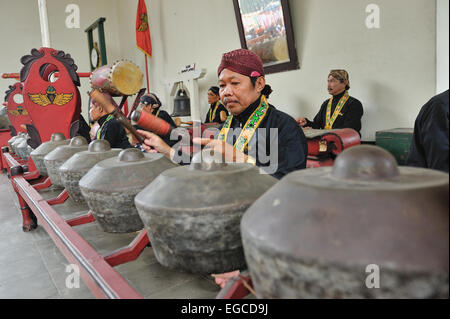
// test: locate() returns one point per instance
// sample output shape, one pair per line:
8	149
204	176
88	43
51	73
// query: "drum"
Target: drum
121	78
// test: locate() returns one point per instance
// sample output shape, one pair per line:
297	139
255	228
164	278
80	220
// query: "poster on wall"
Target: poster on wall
265	28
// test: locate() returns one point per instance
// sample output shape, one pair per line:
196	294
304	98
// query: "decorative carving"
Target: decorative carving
70	65
35	139
61	56
9	91
13	131
27	61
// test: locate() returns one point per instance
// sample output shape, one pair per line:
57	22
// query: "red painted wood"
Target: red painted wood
343	139
36	181
5	136
17	112
81	220
17	75
130	252
337	141
60	199
45	184
31	175
102	279
10	161
238	290
51	118
32	171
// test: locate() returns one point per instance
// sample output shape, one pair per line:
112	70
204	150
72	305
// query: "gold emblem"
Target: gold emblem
144	22
50	97
19	111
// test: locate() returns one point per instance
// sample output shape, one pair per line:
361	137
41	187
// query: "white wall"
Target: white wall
442	52
392	69
20	32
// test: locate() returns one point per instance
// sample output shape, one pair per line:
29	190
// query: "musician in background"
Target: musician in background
109	128
217	113
150	103
429	146
341	110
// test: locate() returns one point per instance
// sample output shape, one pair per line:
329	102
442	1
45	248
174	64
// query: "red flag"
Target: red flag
142	30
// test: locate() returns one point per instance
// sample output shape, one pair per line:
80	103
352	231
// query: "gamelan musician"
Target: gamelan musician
109	128
341	110
255	131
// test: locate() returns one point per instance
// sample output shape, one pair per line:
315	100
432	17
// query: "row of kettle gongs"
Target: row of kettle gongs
187	208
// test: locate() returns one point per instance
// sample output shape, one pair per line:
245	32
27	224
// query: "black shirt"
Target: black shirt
277	152
113	132
291	141
216	119
429	146
352	111
83	129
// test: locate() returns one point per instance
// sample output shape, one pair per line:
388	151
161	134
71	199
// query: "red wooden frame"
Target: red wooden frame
100	277
17	119
130	252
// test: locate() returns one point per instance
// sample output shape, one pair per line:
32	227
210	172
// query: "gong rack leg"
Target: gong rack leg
81	220
60	199
46	183
130	252
4	166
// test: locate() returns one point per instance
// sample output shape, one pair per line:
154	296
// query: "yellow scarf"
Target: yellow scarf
329	120
249	128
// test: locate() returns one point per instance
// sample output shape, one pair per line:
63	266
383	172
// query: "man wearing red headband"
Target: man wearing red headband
255	131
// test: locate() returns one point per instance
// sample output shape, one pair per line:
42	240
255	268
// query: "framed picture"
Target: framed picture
265	28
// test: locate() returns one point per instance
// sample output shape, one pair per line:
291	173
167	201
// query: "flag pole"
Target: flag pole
146	72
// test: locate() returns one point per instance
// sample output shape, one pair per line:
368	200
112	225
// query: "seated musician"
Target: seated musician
255	131
109	128
217	113
429	145
150	103
341	110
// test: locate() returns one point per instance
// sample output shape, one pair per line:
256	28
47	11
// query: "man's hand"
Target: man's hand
301	121
229	152
153	144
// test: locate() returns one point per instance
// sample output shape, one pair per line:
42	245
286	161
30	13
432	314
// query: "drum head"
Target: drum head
126	77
